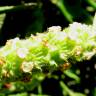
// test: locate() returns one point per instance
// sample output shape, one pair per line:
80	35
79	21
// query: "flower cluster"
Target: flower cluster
50	50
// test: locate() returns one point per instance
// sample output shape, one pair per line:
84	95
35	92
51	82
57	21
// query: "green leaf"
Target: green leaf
2	17
94	23
72	75
68	91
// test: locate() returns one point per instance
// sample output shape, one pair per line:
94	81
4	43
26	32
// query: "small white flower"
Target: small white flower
27	66
14	41
54	29
88	55
22	52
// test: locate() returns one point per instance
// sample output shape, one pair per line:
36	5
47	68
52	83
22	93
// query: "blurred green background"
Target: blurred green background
21	18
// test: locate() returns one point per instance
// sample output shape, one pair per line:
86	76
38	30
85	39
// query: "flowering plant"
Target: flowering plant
51	50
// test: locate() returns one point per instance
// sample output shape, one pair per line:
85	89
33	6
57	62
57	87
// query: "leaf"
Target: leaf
62	6
94	23
72	75
5	9
2	17
68	91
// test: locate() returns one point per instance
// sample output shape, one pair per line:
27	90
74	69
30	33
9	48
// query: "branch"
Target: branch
55	49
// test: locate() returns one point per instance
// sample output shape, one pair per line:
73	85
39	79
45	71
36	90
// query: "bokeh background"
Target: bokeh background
21	18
